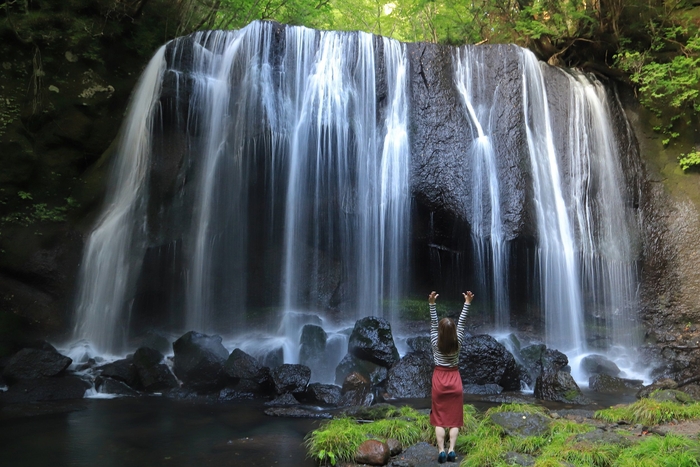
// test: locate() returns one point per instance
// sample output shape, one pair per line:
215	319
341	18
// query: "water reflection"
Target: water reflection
156	431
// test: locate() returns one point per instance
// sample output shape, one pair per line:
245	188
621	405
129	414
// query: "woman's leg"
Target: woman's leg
440	435
454	431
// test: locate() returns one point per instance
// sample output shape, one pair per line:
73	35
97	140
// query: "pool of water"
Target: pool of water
157	431
153	431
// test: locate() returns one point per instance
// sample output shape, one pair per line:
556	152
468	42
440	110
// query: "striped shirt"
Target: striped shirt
441	359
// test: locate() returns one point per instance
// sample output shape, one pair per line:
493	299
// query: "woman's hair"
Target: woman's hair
447	336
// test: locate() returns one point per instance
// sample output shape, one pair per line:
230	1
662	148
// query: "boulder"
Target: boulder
45	389
274	358
371	339
35	363
199	361
297	412
245	373
121	370
105	385
482	389
373	452
284	400
411	377
156	341
420	344
613	385
319	393
375	374
559	386
595	364
552	361
290	377
356	390
660	384
154	375
484	360
395	446
532	359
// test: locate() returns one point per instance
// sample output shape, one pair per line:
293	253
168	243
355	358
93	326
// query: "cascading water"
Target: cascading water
268	169
115	247
284	163
586	246
557	265
486	223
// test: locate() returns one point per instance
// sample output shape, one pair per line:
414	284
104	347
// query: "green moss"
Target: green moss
652	451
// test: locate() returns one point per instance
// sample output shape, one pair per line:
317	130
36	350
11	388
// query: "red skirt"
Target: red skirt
447	398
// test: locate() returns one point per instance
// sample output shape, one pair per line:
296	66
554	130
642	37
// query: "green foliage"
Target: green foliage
688	160
648	411
652	451
337	440
38	212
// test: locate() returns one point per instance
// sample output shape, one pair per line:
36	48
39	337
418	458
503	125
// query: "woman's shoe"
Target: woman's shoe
442	457
451	457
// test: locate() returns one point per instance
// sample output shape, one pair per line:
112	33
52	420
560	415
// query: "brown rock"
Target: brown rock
353	382
373	452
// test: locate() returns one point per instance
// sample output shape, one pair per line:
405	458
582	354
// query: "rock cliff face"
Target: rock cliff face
61	151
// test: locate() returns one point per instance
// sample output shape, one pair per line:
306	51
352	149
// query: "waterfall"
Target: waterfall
486	223
556	259
114	249
290	160
269	170
586	243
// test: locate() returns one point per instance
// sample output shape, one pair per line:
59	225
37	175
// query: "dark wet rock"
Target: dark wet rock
35	363
372	452
603	437
232	394
45	389
199	361
374	412
246	374
484	360
154	375
599	365
411	377
292	378
532	358
121	370
189	394
516	458
559	387
509	399
553	360
372	340
420	455
660	384
420	344
395	446
671	395
106	385
374	373
522	424
297	412
312	345
356	390
613	385
482	389
283	401
319	393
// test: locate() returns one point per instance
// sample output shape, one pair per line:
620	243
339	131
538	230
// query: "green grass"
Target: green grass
485	444
648	411
667	451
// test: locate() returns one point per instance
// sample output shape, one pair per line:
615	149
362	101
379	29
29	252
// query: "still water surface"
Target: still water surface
135	432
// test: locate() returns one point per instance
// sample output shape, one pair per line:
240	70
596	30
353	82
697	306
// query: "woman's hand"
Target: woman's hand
468	296
431	298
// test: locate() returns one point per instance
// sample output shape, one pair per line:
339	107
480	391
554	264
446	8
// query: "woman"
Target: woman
446	410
